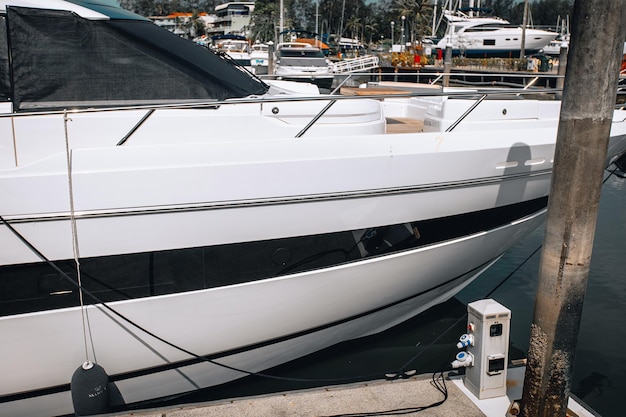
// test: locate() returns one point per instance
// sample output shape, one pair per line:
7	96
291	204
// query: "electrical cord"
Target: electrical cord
438	381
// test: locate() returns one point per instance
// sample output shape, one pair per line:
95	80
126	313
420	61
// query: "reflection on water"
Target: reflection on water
591	386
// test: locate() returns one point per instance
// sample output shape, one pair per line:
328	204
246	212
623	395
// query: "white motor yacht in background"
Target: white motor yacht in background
259	58
554	47
562	40
235	48
302	62
481	36
183	224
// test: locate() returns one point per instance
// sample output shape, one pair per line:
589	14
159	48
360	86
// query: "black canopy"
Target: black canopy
60	60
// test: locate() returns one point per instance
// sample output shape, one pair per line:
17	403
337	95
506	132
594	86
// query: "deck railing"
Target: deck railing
357	64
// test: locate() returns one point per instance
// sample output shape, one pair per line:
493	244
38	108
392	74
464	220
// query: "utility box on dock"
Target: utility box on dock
489	323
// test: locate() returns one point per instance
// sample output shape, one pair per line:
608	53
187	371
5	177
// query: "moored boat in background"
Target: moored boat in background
302	62
235	48
259	58
483	36
210	225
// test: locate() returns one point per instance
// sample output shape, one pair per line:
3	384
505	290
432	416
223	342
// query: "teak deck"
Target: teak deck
396	124
404	125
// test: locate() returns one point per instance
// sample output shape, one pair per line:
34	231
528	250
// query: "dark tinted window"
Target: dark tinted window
5	78
61	60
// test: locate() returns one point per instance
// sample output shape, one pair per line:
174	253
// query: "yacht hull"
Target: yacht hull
250	327
257	279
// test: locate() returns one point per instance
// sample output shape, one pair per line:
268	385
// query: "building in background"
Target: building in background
229	18
233	18
181	23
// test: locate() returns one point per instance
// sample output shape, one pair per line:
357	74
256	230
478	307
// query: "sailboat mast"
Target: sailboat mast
433	29
522	51
282	20
317	17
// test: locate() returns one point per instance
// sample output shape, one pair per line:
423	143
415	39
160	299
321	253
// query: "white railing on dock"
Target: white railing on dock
355	65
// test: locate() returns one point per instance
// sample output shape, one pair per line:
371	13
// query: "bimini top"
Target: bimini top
92	53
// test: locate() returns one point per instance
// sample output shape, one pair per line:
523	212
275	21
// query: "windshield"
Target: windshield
303	62
60	60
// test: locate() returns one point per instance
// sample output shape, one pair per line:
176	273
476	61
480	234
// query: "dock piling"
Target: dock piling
582	140
447	65
560	81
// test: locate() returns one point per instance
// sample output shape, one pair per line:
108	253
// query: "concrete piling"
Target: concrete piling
582	140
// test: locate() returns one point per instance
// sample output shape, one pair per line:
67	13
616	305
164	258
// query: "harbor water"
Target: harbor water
426	343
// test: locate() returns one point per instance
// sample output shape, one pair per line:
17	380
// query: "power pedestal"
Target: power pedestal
486	348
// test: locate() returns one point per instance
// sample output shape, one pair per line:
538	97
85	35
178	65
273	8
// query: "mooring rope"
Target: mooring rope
75	248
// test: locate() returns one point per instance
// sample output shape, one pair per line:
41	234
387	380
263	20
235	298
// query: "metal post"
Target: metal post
560	81
282	22
402	35
433	29
317	17
522	51
447	65
392	28
270	58
582	139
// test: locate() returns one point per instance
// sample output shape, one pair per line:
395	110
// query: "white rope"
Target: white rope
84	313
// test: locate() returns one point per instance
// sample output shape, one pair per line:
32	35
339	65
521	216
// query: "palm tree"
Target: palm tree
418	14
371	27
353	25
423	17
196	25
264	20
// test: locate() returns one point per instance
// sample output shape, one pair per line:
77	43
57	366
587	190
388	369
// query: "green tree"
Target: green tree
353	25
332	11
165	7
196	25
501	8
265	20
542	12
418	14
422	18
547	12
302	14
370	29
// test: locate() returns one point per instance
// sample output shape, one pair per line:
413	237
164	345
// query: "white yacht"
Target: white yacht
480	36
303	62
259	58
236	48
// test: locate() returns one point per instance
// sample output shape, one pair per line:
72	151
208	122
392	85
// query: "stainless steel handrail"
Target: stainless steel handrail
279	99
467	113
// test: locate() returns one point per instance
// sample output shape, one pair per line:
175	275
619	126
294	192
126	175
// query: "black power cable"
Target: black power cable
438	381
